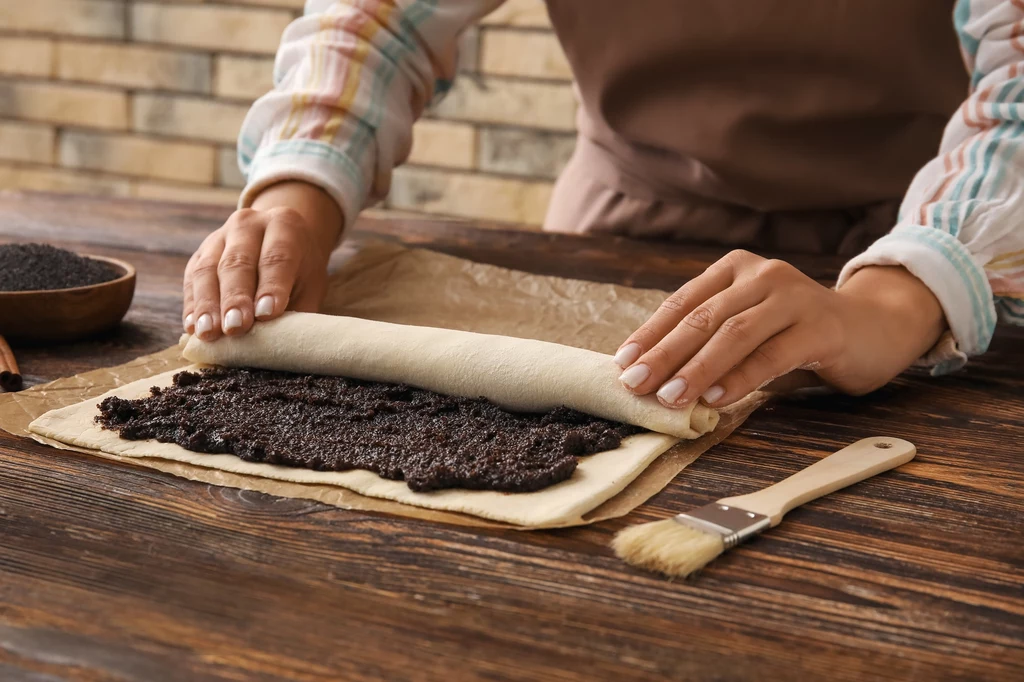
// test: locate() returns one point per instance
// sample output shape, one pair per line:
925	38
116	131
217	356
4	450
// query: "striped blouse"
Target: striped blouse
351	77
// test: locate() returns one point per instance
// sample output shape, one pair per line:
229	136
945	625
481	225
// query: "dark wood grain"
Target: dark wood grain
112	572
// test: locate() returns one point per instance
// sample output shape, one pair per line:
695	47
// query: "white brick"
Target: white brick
528	54
26	142
87	18
470	196
212	27
499	100
68	104
187	117
243	77
440	143
26	56
531	13
138	156
532	153
133	66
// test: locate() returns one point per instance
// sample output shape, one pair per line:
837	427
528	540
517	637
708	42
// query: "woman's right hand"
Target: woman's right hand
264	260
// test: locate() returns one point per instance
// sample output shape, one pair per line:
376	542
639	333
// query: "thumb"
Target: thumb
797	381
308	297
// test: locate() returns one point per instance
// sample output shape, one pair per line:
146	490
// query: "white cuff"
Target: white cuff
946	267
311	161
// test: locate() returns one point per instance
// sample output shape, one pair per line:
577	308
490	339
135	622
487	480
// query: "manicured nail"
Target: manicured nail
188	323
232	319
627	355
635	375
265	306
713	394
671	391
204	324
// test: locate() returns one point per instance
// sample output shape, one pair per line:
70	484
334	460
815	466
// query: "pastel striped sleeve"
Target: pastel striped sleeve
350	78
961	225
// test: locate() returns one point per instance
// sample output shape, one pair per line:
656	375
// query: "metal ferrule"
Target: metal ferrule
734	524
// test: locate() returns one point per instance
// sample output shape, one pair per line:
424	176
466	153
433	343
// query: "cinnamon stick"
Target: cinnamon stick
10	376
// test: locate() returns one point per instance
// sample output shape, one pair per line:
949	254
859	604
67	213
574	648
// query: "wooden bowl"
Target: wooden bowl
68	314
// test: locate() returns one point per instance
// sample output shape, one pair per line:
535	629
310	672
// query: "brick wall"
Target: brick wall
142	98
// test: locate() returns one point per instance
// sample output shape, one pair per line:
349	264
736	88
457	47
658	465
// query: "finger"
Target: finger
776	357
712	281
188	281
736	339
188	300
280	259
684	341
237	272
206	289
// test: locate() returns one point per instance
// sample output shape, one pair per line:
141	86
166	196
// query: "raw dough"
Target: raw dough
598	477
518	374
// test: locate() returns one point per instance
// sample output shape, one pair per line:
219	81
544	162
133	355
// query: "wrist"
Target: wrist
319	211
899	304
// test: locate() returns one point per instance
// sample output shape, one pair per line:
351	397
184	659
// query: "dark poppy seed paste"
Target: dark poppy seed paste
430	441
35	267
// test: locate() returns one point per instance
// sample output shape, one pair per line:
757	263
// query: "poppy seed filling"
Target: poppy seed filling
429	440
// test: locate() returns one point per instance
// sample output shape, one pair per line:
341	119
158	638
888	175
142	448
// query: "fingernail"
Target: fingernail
671	391
265	306
635	375
713	394
204	324
188	322
233	319
627	355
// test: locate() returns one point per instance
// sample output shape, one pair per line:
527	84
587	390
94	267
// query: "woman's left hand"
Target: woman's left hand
747	320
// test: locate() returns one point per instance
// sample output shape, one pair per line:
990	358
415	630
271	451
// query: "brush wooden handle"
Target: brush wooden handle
854	463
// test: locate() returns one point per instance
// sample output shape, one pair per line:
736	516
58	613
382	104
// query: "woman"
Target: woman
793	125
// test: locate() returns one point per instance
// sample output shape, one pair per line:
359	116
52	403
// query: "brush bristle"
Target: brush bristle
667	547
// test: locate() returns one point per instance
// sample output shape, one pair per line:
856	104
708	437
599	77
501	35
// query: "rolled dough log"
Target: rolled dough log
518	374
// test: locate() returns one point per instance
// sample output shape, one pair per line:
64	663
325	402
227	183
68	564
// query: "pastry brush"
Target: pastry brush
687	542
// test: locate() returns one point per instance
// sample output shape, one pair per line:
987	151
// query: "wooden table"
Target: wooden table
113	572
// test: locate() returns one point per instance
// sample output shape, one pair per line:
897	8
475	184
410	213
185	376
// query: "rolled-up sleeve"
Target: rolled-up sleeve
961	225
350	79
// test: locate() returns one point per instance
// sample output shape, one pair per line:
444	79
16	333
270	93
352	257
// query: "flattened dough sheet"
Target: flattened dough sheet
519	374
598	477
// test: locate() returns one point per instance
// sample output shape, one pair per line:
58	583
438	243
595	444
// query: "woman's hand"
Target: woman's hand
264	260
747	320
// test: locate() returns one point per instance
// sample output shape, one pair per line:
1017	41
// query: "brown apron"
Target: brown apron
790	125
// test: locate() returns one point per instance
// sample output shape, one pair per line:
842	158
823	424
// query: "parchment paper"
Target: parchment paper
390	283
